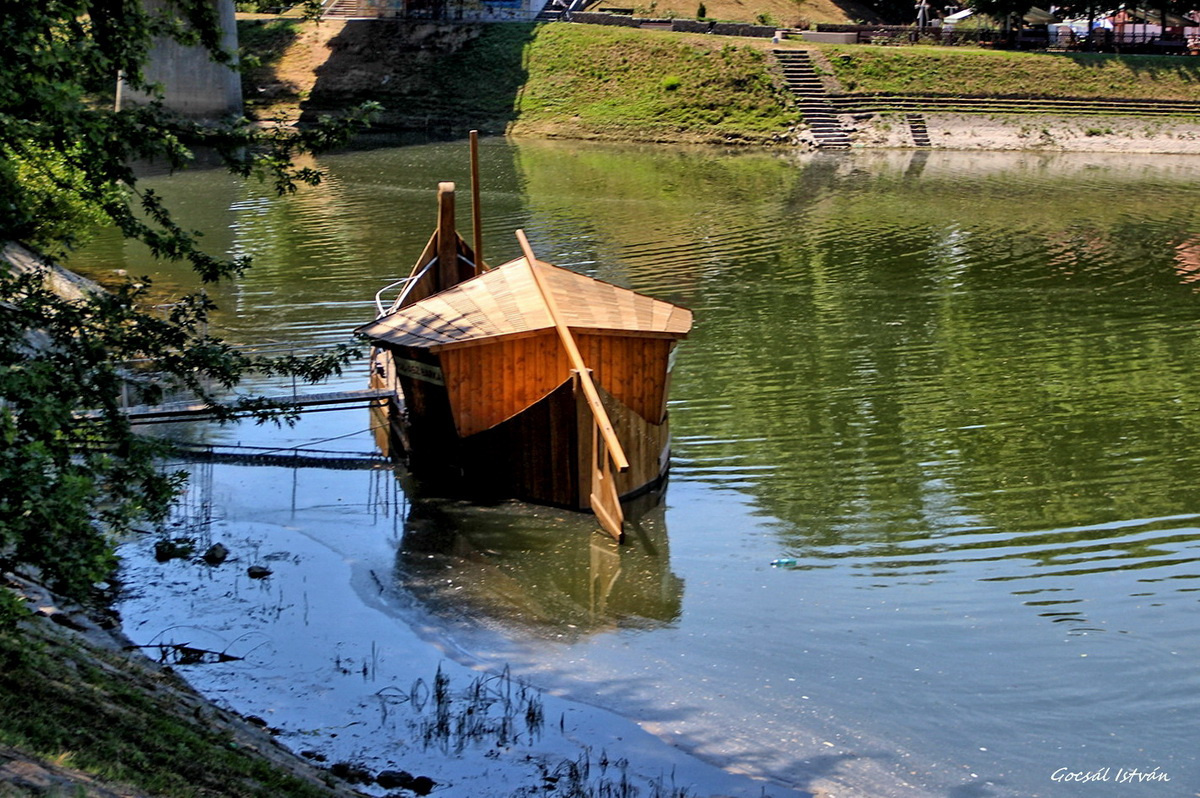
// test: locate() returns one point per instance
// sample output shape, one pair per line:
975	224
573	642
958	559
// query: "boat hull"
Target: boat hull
543	454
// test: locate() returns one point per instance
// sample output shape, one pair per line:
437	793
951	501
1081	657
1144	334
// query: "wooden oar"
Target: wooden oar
585	374
605	502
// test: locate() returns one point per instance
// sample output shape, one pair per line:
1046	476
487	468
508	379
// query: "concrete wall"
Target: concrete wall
829	38
193	84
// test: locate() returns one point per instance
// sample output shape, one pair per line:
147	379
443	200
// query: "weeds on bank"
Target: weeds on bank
596	77
581	778
492	709
499	711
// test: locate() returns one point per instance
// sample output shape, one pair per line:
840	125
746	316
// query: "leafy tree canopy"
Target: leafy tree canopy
1001	10
71	480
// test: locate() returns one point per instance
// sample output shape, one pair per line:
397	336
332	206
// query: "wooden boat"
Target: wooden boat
526	380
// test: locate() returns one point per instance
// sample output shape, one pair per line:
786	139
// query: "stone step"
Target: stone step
918	129
812	98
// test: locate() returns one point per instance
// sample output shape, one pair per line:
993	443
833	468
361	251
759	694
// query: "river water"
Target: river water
952	396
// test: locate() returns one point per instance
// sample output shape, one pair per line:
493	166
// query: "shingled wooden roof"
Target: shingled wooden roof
506	301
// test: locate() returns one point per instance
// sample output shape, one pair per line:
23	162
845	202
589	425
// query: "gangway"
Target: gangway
301	403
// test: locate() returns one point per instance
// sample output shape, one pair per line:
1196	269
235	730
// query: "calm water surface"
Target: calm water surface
955	392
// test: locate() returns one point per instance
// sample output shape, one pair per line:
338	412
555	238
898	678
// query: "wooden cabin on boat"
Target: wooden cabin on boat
527	380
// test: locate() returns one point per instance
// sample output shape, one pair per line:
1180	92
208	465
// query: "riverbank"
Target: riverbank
347	665
83	712
601	83
565	81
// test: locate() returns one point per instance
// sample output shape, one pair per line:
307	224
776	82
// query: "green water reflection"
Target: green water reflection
880	336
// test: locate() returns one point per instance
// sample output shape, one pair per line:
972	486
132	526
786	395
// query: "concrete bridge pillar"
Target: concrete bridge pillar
193	84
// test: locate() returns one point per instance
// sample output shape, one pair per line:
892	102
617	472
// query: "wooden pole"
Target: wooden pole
447	246
476	217
605	502
603	423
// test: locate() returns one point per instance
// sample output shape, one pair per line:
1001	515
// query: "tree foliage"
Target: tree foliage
1003	10
72	472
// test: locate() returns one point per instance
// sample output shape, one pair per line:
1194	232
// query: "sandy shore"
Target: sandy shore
1039	133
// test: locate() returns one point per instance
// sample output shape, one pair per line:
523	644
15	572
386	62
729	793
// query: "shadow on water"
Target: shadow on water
544	570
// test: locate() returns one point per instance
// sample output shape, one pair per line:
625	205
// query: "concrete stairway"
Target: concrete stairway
348	9
920	133
813	100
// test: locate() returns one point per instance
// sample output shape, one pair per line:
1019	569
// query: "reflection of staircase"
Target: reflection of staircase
920	133
812	98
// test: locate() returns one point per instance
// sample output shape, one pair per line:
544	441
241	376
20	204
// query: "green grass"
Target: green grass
646	84
97	714
927	70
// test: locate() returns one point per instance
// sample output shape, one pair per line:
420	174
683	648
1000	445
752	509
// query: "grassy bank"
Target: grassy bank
967	71
649	85
578	81
608	83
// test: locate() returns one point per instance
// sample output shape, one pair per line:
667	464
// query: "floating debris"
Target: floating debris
174	548
216	554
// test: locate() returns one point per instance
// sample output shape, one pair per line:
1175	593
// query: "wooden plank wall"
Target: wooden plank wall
544	454
632	369
491	382
494	381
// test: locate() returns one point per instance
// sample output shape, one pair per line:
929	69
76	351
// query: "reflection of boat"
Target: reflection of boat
526	380
536	569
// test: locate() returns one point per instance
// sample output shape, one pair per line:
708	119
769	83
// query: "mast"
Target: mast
447	239
476	216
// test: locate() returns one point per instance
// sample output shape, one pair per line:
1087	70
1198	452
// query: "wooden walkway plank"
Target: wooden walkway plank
198	410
